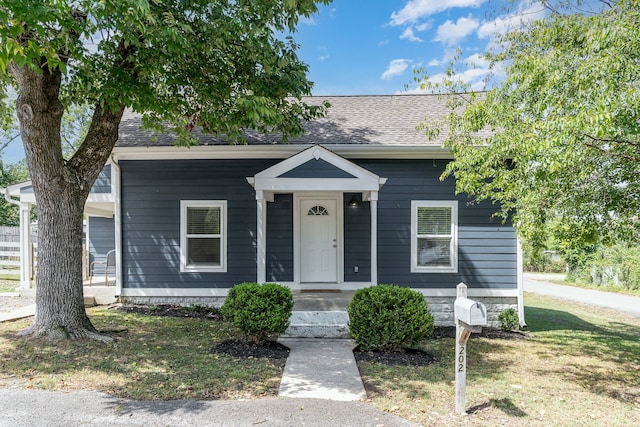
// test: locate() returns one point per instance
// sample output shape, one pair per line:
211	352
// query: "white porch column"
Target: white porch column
261	229
116	190
26	256
373	206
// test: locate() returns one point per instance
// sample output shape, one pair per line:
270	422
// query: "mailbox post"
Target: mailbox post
470	316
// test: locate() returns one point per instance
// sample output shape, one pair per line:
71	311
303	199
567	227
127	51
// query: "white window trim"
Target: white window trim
453	204
184	267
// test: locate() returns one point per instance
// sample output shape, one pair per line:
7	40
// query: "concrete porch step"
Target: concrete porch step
318	324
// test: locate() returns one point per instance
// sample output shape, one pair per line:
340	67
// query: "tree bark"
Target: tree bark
61	189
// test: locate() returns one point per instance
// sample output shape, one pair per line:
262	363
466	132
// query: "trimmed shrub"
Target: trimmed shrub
388	318
261	312
509	320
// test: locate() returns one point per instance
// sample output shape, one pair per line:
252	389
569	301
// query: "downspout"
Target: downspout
25	239
117	221
520	281
8	198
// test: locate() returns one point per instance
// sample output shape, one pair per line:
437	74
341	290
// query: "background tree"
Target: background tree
11	174
557	142
220	65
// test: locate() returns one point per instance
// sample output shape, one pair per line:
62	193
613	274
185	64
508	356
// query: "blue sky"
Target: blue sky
372	47
365	47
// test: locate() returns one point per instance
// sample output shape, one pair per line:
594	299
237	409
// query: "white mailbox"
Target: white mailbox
470	312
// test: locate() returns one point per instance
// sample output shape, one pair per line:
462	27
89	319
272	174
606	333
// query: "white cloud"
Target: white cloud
395	68
323	53
434	63
408	34
308	20
525	14
476	74
417	9
424	26
451	33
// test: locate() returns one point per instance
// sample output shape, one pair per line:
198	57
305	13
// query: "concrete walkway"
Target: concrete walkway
322	369
540	284
18	313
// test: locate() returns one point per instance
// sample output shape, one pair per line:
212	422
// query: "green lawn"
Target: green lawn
9	283
579	367
153	358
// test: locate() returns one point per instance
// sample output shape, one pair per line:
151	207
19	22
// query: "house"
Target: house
354	202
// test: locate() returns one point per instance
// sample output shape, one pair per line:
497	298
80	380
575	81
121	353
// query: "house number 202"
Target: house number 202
461	359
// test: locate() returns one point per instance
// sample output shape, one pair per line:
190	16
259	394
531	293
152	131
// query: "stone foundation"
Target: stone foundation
182	301
442	308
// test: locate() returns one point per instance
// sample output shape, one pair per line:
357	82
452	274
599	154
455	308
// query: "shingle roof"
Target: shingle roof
367	119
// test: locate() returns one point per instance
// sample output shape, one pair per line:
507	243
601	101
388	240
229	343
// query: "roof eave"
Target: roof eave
280	151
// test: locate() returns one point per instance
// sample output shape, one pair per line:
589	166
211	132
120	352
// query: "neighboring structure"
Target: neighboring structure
354	202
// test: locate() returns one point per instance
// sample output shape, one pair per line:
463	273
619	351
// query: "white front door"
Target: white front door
318	240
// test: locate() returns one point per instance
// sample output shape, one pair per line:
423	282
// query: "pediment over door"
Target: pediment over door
316	169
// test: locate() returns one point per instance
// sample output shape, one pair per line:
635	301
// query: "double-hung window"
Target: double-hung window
434	236
203	236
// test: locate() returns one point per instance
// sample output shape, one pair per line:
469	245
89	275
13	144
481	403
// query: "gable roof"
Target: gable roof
357	179
387	120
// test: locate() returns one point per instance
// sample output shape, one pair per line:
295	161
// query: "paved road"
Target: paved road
627	304
26	408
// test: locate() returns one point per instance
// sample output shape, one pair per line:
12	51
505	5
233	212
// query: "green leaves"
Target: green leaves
226	64
564	153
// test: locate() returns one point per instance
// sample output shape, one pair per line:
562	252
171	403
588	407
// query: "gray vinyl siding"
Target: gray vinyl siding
316	169
280	239
152	191
103	182
101	239
357	240
486	248
151	195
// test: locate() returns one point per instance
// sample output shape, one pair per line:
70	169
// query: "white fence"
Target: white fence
10	250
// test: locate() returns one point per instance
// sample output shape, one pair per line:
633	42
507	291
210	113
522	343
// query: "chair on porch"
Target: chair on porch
109	263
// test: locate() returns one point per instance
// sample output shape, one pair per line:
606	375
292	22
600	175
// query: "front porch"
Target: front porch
326	211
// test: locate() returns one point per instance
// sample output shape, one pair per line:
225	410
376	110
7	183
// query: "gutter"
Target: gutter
117	220
8	198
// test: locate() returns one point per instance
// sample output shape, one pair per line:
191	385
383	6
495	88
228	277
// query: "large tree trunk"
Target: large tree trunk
60	311
61	188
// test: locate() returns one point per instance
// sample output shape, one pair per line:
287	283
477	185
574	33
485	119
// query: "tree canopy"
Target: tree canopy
217	64
220	65
556	143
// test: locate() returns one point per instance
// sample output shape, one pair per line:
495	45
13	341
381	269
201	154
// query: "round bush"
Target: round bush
259	311
508	320
388	318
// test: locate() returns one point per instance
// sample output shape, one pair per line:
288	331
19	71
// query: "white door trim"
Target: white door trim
297	197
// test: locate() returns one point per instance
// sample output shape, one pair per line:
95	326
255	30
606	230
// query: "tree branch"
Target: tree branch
614	140
624	156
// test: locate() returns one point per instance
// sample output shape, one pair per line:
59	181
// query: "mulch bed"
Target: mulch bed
450	332
250	350
405	357
194	311
276	351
